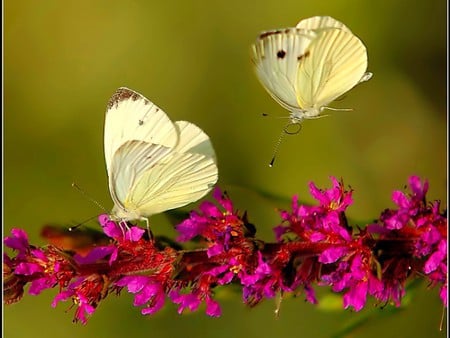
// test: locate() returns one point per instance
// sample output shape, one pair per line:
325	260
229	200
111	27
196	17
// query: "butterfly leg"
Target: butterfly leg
145	219
124	227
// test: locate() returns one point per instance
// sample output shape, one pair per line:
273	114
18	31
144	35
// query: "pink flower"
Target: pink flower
149	292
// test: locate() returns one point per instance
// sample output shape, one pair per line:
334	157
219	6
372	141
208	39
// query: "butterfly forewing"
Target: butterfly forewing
130	116
276	57
335	62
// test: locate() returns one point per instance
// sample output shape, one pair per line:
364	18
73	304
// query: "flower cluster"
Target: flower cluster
418	229
128	261
315	246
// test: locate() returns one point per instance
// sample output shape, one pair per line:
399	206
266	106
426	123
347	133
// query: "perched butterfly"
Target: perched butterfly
153	164
306	67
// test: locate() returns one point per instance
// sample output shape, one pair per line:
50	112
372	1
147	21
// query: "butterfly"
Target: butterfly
306	67
153	164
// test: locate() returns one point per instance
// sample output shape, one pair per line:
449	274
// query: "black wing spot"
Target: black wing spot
281	54
141	121
303	56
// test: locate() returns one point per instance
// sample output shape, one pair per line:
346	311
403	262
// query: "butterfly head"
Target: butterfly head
298	115
122	216
125	214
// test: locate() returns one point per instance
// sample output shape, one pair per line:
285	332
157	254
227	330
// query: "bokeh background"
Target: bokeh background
63	60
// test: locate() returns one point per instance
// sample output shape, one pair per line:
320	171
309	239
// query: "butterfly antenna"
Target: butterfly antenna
275	150
82	192
285	132
336	109
74	227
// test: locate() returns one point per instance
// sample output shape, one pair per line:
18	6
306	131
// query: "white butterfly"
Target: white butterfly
153	164
306	67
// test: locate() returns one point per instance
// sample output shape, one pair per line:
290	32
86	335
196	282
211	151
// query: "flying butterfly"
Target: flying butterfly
306	67
153	164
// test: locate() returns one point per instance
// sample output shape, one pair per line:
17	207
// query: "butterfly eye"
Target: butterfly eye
281	54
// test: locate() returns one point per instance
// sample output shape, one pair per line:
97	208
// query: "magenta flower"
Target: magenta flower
84	307
420	229
212	223
34	263
409	206
18	241
322	223
149	292
355	278
336	198
264	282
192	301
117	232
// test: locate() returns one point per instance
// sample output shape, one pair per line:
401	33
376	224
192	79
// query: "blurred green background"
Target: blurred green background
63	60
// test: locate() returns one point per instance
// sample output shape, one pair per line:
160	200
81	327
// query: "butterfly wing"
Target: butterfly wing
333	63
128	164
317	22
181	176
320	22
276	55
192	139
132	117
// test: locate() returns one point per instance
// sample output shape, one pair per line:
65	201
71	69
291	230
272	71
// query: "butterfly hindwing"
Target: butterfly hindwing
186	174
193	139
130	162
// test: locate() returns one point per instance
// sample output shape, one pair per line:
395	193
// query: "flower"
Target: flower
74	292
322	223
18	241
409	205
193	299
218	227
43	268
148	291
119	233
